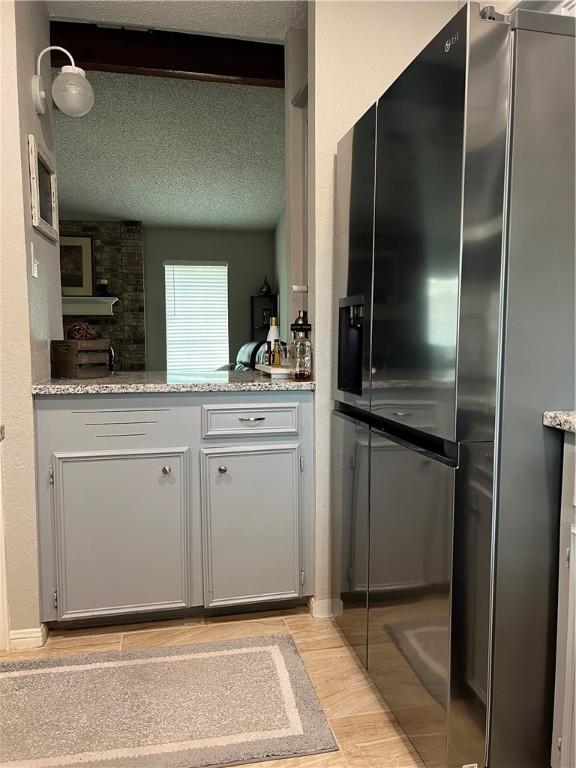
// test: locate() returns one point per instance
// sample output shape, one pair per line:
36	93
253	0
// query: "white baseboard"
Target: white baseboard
22	639
337	607
321	609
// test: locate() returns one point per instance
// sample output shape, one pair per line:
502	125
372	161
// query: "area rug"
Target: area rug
193	706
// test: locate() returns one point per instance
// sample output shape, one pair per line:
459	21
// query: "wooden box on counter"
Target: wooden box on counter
80	359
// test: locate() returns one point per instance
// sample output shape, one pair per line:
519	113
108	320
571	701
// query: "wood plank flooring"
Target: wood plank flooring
367	733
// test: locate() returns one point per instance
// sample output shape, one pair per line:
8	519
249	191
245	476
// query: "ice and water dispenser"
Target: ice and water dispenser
350	344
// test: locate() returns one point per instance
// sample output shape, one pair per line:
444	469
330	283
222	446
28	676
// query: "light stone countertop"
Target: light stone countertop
565	420
135	382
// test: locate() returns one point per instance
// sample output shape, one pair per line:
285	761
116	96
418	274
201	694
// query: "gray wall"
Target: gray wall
250	255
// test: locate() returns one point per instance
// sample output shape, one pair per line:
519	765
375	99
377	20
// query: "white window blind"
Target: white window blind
196	316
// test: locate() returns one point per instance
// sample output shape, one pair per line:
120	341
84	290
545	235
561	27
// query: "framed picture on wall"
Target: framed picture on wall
76	268
43	190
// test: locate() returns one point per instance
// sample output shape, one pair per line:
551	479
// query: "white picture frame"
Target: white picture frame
76	266
43	190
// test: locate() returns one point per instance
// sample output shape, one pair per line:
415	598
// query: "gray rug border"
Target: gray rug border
317	737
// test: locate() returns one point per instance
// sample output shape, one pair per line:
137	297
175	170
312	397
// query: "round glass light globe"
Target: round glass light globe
72	93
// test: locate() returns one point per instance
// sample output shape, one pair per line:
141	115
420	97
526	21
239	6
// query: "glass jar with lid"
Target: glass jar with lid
301	348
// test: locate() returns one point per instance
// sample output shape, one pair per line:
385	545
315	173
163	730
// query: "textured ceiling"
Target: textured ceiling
174	152
266	20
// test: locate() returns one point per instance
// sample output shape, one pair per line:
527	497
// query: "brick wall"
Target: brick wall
117	255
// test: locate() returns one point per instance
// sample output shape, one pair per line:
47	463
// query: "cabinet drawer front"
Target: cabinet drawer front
251	524
118	428
243	420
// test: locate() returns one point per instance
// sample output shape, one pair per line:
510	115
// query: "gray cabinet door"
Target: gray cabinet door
250	500
121	531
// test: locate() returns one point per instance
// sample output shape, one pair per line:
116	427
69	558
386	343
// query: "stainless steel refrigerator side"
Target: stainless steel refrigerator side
471	607
350	529
350	443
477	370
353	263
538	365
483	191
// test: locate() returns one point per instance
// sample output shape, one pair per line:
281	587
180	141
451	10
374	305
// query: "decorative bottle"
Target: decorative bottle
277	354
273	333
301	348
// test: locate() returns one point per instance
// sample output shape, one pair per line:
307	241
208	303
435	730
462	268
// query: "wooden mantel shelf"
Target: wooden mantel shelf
88	305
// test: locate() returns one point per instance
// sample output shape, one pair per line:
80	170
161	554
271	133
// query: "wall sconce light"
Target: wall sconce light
71	91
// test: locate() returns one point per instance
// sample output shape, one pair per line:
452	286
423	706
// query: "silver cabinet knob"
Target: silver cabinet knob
166	470
222	469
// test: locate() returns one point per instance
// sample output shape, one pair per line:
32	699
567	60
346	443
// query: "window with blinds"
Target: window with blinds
196	316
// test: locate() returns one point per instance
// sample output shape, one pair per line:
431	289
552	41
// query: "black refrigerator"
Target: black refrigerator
453	286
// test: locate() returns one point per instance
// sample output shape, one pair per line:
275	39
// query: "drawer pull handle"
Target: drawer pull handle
222	469
252	418
166	470
402	414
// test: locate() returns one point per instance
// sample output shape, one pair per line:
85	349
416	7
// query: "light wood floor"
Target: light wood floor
367	733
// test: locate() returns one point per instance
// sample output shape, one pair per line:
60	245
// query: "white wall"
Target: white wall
282	278
296	66
30	308
356	49
33	34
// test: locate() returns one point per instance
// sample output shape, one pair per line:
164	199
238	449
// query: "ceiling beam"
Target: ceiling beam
168	54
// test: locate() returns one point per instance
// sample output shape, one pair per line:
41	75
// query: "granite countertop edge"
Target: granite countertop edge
130	383
564	420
